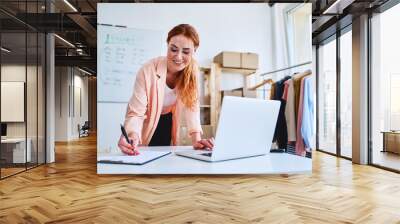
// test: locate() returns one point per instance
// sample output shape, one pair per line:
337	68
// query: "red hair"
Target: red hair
187	80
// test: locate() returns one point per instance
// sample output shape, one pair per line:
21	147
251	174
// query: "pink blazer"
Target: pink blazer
145	105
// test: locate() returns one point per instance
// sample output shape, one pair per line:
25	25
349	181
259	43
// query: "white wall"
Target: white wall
79	117
12	73
33	126
291	38
61	103
302	34
221	27
67	115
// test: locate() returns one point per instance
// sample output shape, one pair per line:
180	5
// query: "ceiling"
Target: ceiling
76	22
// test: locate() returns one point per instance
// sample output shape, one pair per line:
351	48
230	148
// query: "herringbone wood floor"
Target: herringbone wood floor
70	191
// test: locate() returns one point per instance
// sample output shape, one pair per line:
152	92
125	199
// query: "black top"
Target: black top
281	135
162	134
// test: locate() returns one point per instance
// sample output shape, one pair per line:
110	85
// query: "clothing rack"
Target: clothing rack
266	81
283	69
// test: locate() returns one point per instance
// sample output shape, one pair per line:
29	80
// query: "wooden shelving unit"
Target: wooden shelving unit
212	77
208	91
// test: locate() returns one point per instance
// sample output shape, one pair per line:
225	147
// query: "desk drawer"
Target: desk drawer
6	154
15	152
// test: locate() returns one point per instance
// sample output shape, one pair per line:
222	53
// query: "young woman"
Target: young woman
166	89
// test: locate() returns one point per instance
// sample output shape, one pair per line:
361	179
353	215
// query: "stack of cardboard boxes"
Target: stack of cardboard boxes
230	59
238	60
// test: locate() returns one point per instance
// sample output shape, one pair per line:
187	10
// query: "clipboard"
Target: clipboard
143	158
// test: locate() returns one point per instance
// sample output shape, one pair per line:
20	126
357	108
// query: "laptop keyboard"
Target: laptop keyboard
207	154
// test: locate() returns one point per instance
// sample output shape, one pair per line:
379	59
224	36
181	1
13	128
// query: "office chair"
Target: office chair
84	130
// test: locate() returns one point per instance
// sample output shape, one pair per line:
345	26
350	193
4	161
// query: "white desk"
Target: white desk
273	163
18	150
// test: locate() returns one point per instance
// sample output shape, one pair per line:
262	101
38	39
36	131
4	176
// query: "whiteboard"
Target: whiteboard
109	118
121	53
12	101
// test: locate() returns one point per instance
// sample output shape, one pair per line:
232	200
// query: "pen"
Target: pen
125	135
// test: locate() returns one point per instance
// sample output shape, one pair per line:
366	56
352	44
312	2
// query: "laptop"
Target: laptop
245	129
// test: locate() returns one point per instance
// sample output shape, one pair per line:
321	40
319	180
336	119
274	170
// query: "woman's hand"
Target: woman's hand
205	144
130	149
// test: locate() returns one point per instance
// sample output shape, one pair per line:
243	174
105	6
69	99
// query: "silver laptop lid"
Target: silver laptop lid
246	127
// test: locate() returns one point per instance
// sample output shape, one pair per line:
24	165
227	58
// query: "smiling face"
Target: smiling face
180	52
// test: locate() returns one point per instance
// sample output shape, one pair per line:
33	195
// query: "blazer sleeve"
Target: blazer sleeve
137	106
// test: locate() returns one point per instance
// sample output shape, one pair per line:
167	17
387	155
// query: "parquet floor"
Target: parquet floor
9	171
387	159
70	191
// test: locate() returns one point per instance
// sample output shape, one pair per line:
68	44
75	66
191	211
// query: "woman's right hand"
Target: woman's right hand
127	148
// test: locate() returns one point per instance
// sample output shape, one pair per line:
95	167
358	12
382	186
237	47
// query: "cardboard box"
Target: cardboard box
228	59
232	59
249	60
235	92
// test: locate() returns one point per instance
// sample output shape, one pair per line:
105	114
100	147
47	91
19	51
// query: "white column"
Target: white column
50	92
50	99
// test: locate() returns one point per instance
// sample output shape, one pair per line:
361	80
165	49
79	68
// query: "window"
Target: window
346	94
327	97
22	65
385	89
299	32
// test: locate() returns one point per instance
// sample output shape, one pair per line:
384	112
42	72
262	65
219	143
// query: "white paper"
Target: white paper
142	158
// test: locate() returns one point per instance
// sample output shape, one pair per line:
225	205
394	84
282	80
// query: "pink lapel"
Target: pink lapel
161	73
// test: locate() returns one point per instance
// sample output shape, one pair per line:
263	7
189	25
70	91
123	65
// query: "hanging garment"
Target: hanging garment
285	90
296	85
300	149
272	94
289	110
307	124
280	135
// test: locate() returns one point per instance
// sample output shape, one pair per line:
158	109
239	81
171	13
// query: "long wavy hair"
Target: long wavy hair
187	80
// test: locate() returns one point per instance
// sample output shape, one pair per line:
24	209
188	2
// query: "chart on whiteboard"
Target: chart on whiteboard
122	52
